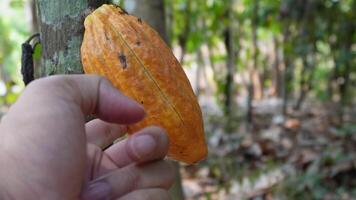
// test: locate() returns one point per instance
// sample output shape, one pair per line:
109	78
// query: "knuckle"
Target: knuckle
65	82
50	83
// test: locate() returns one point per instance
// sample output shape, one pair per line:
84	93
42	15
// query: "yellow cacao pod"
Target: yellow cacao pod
129	53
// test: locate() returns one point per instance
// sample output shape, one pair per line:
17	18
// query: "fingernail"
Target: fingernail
144	145
97	191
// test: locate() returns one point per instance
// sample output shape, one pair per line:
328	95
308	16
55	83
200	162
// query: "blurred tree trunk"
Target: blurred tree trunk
257	83
169	21
231	57
200	69
153	12
183	37
287	69
284	18
346	57
346	53
277	79
30	10
306	40
254	86
307	76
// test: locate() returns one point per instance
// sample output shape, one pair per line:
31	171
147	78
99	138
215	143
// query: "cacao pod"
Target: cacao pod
133	56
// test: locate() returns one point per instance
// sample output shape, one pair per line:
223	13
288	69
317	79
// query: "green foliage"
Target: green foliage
13	32
316	49
309	31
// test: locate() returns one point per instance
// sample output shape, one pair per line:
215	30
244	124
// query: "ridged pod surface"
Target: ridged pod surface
129	53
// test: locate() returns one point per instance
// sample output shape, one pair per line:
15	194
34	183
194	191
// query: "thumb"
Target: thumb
89	94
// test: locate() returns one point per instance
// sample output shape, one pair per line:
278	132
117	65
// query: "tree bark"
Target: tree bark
231	58
277	79
61	26
285	17
253	87
256	80
306	39
153	12
306	81
183	37
287	70
200	69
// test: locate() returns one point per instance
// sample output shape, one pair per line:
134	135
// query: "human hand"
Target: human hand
48	152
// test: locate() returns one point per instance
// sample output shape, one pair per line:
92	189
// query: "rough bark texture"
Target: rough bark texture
61	27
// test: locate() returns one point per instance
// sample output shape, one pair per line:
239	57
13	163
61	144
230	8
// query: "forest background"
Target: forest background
276	82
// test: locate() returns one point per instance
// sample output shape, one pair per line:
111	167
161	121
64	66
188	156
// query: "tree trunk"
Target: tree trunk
277	79
287	70
347	52
231	58
230	70
253	88
62	28
200	69
306	82
153	12
183	37
31	11
306	39
249	114
256	81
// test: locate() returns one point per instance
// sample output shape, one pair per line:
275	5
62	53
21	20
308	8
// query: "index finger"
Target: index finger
103	134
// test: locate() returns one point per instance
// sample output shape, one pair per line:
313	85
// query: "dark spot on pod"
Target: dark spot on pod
139	20
141	102
122	59
138	43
